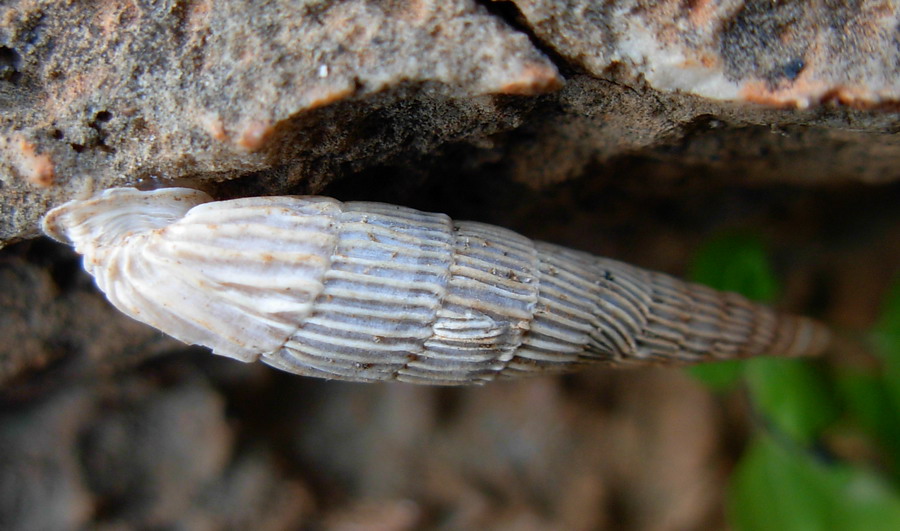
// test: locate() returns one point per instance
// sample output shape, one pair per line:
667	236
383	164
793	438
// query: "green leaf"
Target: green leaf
718	376
780	487
868	403
736	262
771	490
886	336
793	395
865	502
889	320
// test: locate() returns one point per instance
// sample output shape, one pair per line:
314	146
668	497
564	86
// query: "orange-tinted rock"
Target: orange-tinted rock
793	53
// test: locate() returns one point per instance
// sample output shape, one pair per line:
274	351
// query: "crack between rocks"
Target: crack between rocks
510	14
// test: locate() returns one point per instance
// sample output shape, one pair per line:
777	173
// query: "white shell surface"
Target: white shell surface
234	276
369	292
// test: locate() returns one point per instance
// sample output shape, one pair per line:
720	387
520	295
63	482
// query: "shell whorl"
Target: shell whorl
368	291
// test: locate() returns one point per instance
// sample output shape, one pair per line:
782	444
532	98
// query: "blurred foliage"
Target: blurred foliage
779	486
825	452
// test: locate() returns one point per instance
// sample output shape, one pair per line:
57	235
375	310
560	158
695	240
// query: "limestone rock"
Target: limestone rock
113	92
792	53
294	94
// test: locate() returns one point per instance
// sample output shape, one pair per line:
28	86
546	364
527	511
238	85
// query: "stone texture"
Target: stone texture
55	326
137	454
95	94
294	94
793	53
551	446
40	484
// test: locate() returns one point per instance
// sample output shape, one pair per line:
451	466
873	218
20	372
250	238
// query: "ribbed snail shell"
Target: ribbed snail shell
368	291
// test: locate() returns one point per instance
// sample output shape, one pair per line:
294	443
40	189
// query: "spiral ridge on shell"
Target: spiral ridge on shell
369	292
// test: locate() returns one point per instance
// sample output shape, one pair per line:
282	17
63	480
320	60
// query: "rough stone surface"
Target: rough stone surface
123	91
55	326
157	450
153	450
297	93
792	52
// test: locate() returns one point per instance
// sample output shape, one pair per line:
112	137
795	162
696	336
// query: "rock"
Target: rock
250	496
294	94
56	327
135	453
121	92
41	486
790	53
155	449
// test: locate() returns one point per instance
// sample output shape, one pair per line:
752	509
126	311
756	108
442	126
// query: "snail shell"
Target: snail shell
368	291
